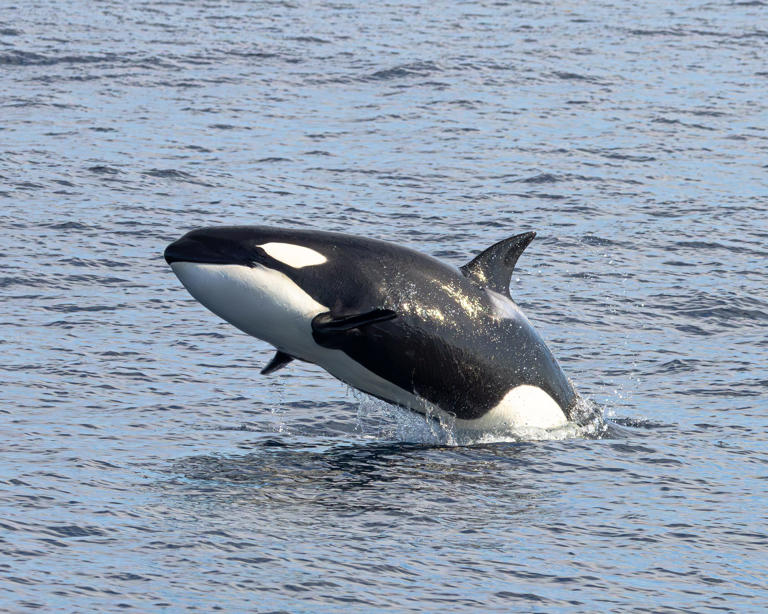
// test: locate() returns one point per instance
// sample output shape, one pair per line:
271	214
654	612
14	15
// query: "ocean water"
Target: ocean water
145	465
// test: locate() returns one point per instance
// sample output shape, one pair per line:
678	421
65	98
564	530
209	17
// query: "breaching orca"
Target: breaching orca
385	319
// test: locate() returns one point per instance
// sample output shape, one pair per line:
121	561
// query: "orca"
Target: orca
390	321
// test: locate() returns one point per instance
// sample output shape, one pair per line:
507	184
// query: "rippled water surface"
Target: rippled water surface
147	466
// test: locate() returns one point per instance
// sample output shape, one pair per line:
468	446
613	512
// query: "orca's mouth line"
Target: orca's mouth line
186	250
171	258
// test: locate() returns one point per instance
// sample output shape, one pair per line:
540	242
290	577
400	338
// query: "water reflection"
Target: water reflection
362	477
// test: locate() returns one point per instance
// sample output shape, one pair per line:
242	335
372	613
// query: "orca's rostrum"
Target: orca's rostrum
385	319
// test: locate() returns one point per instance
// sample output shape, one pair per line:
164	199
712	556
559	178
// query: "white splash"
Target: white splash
392	422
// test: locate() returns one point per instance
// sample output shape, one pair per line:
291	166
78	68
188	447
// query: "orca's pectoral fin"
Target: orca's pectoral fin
328	330
493	268
279	360
326	323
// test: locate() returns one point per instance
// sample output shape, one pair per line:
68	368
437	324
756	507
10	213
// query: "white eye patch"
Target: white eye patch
294	256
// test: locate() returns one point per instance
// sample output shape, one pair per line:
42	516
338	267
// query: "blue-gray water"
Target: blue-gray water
145	465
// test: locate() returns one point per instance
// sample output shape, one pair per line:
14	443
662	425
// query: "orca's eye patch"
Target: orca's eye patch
295	256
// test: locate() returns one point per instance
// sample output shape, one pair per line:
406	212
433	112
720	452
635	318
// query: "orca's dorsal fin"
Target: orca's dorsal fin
279	360
493	268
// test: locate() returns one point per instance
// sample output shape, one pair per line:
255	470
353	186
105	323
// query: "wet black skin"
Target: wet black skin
446	342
